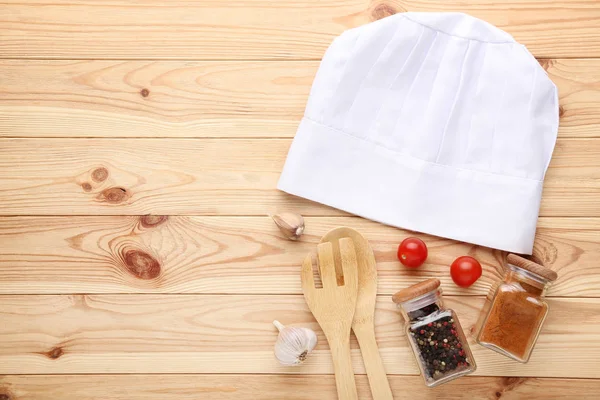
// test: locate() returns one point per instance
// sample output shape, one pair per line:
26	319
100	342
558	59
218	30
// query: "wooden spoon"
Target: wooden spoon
363	324
333	306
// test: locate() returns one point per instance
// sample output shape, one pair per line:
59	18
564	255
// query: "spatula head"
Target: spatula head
333	304
367	271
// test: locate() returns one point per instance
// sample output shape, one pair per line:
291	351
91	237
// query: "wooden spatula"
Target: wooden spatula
363	324
333	306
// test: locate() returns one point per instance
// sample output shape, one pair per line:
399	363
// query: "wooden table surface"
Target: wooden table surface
140	146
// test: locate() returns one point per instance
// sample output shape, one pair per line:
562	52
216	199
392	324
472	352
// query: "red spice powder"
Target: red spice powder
514	319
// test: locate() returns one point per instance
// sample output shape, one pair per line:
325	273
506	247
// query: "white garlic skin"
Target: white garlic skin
290	224
293	344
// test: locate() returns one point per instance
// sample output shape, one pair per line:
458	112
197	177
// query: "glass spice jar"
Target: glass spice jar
515	309
434	333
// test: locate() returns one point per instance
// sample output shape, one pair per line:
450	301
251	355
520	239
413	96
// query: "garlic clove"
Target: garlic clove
293	344
290	224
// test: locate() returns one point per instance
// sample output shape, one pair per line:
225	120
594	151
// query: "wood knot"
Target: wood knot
100	174
546	63
4	396
382	11
145	92
561	111
114	195
548	256
54	353
512	381
150	221
141	264
508	384
86	187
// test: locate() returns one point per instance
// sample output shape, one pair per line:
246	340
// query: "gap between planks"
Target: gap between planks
268	374
289	387
224	60
556	217
206	60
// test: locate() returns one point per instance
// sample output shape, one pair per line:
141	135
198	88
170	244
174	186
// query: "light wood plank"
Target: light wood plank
578	83
254	29
234	334
212	176
146	99
288	387
62	255
207	99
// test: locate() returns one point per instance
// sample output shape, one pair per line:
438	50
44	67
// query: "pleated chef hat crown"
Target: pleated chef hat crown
434	122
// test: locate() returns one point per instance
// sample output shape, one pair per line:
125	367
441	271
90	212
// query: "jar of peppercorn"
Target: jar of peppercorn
515	310
434	333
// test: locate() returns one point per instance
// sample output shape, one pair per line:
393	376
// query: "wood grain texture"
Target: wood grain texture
234	334
333	307
212	176
288	387
146	99
252	29
61	255
578	83
363	324
194	288
207	99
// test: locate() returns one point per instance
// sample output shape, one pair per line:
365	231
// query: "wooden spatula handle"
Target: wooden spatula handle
342	365
380	387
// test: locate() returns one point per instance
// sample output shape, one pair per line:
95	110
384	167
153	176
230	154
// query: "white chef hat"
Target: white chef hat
434	122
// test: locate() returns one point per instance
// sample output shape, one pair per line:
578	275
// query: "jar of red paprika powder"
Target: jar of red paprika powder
434	333
515	310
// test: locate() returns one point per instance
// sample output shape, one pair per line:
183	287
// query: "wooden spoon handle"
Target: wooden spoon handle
380	387
342	365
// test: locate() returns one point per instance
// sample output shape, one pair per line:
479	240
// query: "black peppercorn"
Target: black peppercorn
439	345
434	333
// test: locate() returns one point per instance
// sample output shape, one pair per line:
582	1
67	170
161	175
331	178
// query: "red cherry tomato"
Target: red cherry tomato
412	252
465	271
